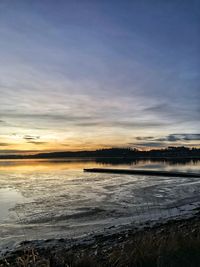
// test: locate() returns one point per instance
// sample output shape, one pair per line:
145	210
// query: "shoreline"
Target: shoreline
101	247
121	158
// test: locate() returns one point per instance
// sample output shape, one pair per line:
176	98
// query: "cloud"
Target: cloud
4	123
144	138
188	137
137	124
4	144
121	124
31	137
46	116
178	111
159	108
180	137
148	144
17	151
37	142
171	138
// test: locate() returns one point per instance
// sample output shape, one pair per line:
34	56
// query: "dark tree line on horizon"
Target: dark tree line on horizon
124	153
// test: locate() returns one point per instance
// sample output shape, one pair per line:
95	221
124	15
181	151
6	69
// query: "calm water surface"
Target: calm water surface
52	199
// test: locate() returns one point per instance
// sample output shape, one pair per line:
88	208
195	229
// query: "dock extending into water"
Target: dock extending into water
144	172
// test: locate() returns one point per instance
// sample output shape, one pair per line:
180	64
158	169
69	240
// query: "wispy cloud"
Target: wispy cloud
147	144
4	144
172	138
31	137
17	151
37	142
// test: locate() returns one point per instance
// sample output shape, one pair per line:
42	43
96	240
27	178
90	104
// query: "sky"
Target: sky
88	74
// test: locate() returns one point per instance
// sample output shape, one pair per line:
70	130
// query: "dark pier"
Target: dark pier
144	172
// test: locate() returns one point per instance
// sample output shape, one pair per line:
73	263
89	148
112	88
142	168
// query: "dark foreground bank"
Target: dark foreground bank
175	243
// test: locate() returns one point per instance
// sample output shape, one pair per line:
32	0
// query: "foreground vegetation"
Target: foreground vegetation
174	244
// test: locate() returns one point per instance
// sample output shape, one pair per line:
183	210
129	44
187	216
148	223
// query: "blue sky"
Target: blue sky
88	74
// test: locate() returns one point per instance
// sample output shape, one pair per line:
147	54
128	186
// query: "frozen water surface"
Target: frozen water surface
53	199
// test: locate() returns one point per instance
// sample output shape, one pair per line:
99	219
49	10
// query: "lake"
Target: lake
43	199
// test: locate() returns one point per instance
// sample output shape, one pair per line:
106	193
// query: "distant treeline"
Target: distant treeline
123	153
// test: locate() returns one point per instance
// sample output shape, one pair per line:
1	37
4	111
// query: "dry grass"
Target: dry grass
31	258
169	246
173	250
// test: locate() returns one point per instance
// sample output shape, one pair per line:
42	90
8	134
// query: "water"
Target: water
53	199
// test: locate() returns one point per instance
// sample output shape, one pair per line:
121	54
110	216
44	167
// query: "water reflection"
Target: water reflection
53	198
74	163
28	165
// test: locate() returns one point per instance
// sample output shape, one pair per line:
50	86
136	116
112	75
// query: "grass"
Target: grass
172	250
176	244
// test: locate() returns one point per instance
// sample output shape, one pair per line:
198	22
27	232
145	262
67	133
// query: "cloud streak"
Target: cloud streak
172	138
37	142
4	144
147	144
31	137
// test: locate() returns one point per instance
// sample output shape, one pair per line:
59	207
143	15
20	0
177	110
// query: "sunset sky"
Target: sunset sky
89	74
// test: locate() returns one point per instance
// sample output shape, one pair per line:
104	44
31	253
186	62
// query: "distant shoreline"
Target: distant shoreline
103	159
123	154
